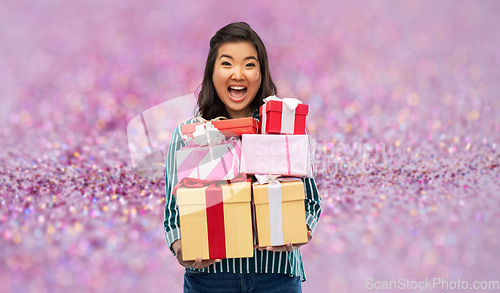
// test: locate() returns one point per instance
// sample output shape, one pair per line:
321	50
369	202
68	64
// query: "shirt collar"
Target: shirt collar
256	116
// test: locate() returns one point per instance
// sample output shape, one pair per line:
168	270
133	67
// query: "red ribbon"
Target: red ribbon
214	210
215	222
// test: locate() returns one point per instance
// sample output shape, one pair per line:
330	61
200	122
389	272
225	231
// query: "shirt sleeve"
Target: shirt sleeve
312	203
171	218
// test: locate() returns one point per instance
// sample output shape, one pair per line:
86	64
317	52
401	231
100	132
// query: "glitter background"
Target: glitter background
417	81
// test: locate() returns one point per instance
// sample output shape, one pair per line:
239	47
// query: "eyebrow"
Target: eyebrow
227	56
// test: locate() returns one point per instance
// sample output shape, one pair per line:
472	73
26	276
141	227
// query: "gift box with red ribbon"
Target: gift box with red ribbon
215	218
283	116
228	127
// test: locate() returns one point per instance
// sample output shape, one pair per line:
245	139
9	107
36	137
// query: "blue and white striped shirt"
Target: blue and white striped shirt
263	261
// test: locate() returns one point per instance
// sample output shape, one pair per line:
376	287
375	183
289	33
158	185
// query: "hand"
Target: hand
287	247
197	264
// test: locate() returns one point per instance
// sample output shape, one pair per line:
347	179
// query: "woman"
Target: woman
235	83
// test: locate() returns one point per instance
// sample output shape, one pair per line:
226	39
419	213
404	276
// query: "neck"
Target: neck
239	114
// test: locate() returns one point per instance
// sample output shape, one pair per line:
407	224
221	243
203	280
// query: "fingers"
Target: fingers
295	246
206	263
276	248
197	263
201	264
178	253
186	264
288	247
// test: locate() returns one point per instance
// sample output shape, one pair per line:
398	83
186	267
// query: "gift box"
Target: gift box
215	219
228	127
208	155
283	116
211	162
280	212
277	154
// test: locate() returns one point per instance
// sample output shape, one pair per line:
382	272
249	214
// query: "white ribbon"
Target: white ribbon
266	179
287	113
291	103
275	205
205	134
275	213
201	119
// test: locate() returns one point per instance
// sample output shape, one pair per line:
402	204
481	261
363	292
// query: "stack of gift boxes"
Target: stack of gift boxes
215	190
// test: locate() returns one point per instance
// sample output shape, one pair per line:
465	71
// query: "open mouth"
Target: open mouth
237	93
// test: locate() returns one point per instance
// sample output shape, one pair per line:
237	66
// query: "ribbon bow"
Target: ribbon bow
267	179
205	134
291	103
201	119
273	179
198	183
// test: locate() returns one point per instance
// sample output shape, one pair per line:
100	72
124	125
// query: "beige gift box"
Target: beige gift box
280	212
223	233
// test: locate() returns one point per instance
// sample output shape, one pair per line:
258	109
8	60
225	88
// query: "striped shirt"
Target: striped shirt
263	261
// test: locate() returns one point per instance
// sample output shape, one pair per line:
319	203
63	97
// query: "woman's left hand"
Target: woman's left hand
288	247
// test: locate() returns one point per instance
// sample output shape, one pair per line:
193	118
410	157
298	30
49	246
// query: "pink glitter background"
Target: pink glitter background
418	79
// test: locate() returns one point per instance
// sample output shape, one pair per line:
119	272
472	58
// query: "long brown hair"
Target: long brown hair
209	104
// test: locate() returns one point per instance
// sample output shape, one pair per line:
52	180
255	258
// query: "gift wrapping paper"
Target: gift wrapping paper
278	118
230	128
216	221
276	154
280	212
217	162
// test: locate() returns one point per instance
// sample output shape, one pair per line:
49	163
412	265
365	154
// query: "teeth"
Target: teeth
237	87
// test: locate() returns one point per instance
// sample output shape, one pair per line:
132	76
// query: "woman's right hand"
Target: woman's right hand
197	264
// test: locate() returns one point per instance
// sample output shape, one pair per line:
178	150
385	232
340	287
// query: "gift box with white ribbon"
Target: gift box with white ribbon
283	116
209	156
279	210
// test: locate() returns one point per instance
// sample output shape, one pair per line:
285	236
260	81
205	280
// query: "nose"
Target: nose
237	73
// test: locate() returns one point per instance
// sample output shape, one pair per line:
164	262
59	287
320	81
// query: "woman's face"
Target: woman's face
237	77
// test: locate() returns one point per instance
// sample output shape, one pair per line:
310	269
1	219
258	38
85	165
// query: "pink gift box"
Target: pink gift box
287	155
219	162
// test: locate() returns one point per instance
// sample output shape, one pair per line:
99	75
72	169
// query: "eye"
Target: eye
225	63
250	65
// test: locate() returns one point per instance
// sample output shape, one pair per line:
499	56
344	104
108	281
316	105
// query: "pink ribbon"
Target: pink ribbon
288	155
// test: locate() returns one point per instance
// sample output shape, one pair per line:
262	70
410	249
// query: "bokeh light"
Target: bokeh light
404	107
